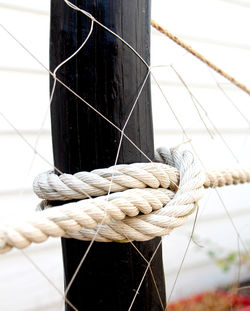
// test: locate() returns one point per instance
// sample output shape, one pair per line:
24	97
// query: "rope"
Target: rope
99	182
164	195
134	214
199	56
220	178
50	186
213	178
70	218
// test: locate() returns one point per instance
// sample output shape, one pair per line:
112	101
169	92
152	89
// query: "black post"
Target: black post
108	75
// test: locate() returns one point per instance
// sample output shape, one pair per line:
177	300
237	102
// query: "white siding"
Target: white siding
209	26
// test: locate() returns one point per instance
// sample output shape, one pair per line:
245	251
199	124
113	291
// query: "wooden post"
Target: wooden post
108	75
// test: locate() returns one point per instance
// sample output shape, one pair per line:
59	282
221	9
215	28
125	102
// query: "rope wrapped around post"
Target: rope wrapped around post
161	198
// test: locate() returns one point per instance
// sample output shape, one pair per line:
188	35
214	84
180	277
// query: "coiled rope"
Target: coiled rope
161	198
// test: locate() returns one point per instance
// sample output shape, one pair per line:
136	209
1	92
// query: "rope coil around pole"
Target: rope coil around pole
50	186
137	214
99	182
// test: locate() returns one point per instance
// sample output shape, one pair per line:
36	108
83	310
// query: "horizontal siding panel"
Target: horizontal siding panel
33	34
37	7
17	207
18	163
211	105
166	82
207	40
219	42
203	131
23	70
216	154
210	19
24	95
36	133
220	28
24	282
23	9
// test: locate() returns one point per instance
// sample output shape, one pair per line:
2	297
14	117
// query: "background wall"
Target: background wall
216	28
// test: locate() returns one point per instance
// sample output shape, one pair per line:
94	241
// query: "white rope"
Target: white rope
82	185
135	214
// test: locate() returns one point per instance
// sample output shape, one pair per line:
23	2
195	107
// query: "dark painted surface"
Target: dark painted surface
108	75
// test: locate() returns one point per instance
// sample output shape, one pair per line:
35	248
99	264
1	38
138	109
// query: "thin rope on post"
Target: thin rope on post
200	56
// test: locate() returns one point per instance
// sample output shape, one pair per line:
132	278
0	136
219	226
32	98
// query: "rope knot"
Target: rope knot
138	201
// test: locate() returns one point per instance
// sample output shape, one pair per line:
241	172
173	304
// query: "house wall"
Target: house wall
31	279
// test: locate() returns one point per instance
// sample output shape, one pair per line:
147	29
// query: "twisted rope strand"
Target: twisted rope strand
200	56
81	185
226	177
50	186
134	214
72	217
213	178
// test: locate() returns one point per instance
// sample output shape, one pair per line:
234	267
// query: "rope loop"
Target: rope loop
82	185
138	201
147	200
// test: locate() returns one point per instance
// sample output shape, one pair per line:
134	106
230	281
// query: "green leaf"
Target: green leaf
211	254
226	268
231	257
